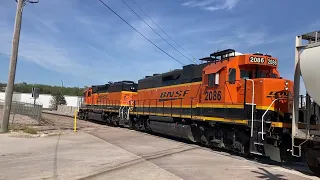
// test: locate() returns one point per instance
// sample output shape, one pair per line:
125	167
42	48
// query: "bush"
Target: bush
57	99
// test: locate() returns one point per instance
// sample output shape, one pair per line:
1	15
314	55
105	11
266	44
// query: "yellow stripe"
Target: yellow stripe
129	92
101	109
289	125
160	114
172	86
236	106
204	118
108	105
280	125
271	109
160	106
237	121
195	106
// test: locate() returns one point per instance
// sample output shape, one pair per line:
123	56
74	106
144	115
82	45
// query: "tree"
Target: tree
57	99
45	89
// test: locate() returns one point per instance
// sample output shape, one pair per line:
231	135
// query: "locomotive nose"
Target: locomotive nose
280	88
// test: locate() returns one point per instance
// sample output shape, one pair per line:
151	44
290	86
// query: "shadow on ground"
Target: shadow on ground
267	175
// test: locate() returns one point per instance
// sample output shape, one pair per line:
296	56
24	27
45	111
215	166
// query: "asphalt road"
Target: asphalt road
100	152
189	161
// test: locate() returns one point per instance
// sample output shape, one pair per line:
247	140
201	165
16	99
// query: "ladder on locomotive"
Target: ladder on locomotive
124	113
258	133
257	129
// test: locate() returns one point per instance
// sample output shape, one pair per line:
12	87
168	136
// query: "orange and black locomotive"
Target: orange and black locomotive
230	100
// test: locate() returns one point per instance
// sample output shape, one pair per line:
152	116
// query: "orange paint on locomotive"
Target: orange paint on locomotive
123	98
223	86
226	83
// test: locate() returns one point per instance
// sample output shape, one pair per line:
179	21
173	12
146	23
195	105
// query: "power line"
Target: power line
155	31
139	32
4	54
161	28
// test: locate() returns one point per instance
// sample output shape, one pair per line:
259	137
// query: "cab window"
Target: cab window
273	75
256	73
244	74
213	79
232	75
89	94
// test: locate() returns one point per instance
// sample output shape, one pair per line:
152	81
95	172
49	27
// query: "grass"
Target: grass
17	127
30	130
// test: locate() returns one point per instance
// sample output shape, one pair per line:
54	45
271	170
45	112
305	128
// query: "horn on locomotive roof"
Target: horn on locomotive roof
208	59
257	53
220	55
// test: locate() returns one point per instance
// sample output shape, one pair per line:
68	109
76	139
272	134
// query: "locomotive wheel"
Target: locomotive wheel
85	117
131	124
115	122
313	161
108	121
80	115
204	141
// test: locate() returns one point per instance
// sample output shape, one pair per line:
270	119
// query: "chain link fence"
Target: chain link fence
33	111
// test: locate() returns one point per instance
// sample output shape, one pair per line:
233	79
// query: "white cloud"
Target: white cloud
212	5
226	4
244	37
198	3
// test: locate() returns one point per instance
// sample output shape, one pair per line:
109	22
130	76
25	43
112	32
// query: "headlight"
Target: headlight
286	85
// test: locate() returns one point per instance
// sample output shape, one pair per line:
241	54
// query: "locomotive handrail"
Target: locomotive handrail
252	105
262	119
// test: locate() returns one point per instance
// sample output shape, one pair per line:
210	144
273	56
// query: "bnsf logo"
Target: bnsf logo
102	98
174	94
281	94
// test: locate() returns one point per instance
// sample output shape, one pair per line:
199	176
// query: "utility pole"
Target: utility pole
13	65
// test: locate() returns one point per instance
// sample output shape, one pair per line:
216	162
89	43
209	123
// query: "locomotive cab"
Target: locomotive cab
87	96
249	88
246	79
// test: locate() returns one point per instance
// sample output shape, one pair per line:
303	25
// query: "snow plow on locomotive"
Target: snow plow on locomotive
233	101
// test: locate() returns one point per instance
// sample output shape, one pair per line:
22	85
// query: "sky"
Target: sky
81	42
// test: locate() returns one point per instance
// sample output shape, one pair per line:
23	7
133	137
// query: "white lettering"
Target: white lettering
257	59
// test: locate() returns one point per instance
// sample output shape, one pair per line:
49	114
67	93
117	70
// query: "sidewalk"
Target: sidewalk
72	156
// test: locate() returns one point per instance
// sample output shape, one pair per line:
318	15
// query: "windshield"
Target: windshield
256	72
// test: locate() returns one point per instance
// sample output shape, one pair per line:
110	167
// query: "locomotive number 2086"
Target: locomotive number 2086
256	59
213	95
272	62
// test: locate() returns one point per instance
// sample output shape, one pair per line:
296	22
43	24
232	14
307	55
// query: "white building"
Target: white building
44	99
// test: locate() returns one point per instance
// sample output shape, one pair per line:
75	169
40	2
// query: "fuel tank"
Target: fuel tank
172	129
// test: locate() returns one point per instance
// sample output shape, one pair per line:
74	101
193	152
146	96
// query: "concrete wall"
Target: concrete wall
44	99
69	110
